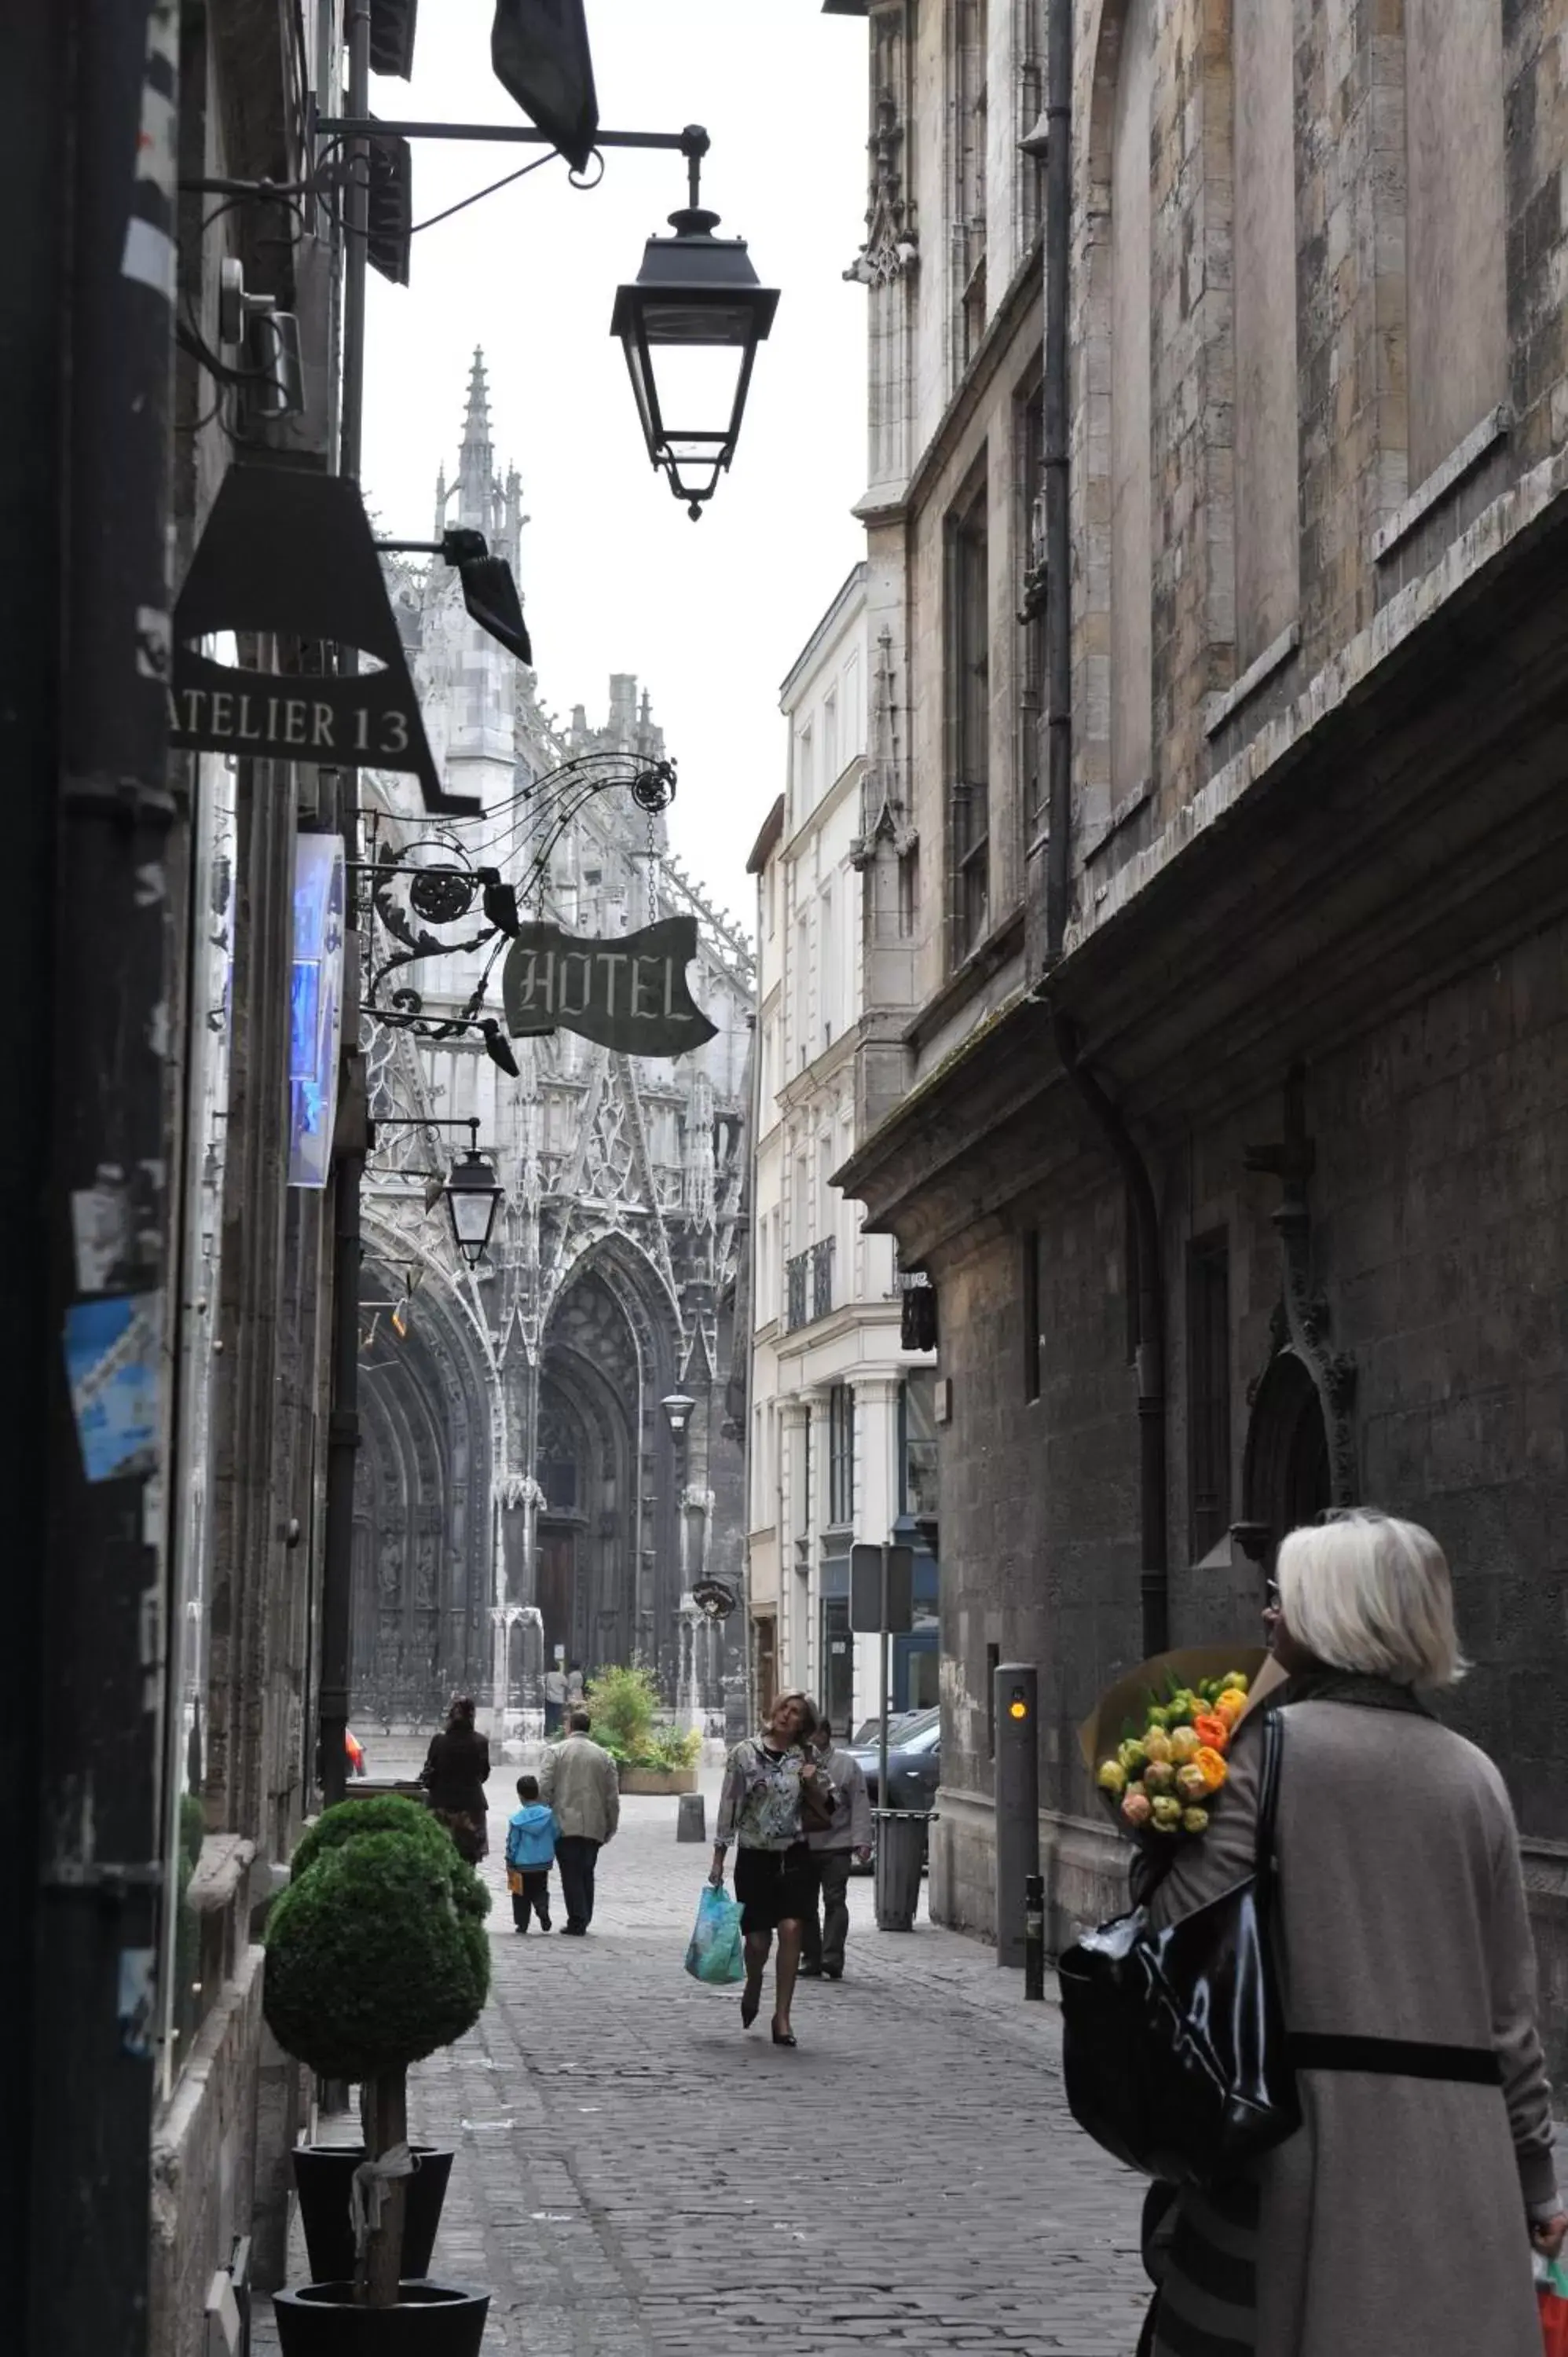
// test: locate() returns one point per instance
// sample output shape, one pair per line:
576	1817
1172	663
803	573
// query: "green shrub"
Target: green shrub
391	1813
372	1961
622	1705
672	1750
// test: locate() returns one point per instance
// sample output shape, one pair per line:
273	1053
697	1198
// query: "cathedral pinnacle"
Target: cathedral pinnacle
475	466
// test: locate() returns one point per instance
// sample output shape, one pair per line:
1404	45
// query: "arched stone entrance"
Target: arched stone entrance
606	1528
422	1509
1286	1476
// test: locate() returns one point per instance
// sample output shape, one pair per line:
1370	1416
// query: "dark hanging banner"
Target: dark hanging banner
289	552
629	993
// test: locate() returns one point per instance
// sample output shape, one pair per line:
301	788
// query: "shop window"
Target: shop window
918	1445
969	609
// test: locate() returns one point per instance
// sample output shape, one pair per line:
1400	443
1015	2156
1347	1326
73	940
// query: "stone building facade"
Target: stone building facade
522	1487
841	1443
1234	1139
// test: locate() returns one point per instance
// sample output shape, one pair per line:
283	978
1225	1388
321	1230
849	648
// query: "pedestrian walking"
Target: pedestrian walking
580	1783
530	1853
833	1853
457	1768
576	1693
775	1793
1400	2217
554	1698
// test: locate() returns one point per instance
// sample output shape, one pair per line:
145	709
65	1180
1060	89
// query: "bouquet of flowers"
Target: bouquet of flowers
1159	1741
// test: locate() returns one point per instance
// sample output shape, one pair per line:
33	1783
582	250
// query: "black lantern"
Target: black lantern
689	328
472	1197
678	1406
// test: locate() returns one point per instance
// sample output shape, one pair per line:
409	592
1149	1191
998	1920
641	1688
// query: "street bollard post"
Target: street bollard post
1014	1697
1035	1937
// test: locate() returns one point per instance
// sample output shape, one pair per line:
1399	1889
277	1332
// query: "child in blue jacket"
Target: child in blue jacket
529	1847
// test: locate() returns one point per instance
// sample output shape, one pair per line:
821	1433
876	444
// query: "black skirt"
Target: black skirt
774	1887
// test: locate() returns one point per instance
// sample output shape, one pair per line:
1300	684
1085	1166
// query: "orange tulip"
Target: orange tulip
1213	1730
1214	1769
1229	1705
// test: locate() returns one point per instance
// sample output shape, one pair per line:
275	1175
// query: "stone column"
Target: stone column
805	1567
794	1425
876	1502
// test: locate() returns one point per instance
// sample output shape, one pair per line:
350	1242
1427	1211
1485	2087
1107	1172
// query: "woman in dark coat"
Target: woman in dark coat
1399	2219
456	1768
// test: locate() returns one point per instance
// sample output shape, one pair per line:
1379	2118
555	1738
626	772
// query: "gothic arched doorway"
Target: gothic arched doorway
1286	1475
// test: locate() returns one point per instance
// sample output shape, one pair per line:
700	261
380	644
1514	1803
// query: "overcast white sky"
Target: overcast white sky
614	574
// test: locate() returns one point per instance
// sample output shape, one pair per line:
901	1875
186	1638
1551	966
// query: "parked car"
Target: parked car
914	1759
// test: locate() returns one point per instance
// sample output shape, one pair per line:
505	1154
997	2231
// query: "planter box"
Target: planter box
658	1780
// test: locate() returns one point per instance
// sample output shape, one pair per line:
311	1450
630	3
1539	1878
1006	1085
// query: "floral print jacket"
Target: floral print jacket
760	1804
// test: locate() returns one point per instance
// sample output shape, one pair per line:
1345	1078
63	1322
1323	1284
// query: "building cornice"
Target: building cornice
817	817
855	581
998	949
767	840
817	1074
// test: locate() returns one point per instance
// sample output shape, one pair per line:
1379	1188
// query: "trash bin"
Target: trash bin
900	1859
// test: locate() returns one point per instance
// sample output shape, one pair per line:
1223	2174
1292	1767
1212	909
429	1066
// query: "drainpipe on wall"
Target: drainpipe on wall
1053	404
1154	1573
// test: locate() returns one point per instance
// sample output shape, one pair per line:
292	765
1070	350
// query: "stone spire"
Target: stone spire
476	463
440	503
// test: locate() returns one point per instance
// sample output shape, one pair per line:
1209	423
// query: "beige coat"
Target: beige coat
579	1781
1394	2223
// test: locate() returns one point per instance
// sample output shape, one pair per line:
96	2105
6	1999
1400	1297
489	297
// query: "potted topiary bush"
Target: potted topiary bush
377	1955
323	2173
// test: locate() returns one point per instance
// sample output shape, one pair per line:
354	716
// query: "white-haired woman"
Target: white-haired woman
1399	2220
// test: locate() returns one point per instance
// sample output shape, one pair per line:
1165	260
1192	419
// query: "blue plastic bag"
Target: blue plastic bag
715	1952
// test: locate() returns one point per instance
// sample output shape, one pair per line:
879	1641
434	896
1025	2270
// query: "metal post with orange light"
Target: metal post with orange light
1017	1788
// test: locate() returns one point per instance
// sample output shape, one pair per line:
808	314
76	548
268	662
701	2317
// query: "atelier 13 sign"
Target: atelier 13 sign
629	994
289	555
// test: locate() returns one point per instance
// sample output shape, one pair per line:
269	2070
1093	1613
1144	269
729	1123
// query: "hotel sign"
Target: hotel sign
288	553
629	993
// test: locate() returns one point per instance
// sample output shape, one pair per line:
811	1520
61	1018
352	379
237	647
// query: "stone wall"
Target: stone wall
1440	1246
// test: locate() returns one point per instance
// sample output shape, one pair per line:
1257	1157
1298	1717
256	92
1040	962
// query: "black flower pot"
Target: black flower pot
323	2173
430	2319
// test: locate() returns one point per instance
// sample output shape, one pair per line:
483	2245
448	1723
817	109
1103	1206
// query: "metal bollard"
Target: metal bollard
1035	1937
691	1818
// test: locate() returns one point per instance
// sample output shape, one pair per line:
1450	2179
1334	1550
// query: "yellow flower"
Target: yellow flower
1157	1743
1194	1821
1230	1705
1112	1777
1184	1744
1214	1769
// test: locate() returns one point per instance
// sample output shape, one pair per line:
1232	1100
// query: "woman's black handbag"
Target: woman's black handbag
1174	2042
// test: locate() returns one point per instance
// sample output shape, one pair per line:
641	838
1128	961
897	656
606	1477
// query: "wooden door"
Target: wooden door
556	1587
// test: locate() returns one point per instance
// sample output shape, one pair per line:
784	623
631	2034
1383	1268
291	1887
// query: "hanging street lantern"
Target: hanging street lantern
689	327
678	1407
473	1197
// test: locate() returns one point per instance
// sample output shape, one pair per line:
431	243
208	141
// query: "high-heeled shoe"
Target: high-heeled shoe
750	2005
783	2036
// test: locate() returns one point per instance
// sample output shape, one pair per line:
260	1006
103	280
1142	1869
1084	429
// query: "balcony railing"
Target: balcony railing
809	1284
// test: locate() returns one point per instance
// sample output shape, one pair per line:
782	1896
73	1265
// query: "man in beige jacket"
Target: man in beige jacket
580	1783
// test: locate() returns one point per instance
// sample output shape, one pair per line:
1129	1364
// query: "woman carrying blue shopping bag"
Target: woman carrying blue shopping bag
775	1793
715	1953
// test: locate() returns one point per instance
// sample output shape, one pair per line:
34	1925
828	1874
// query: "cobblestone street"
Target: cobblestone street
636	2175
